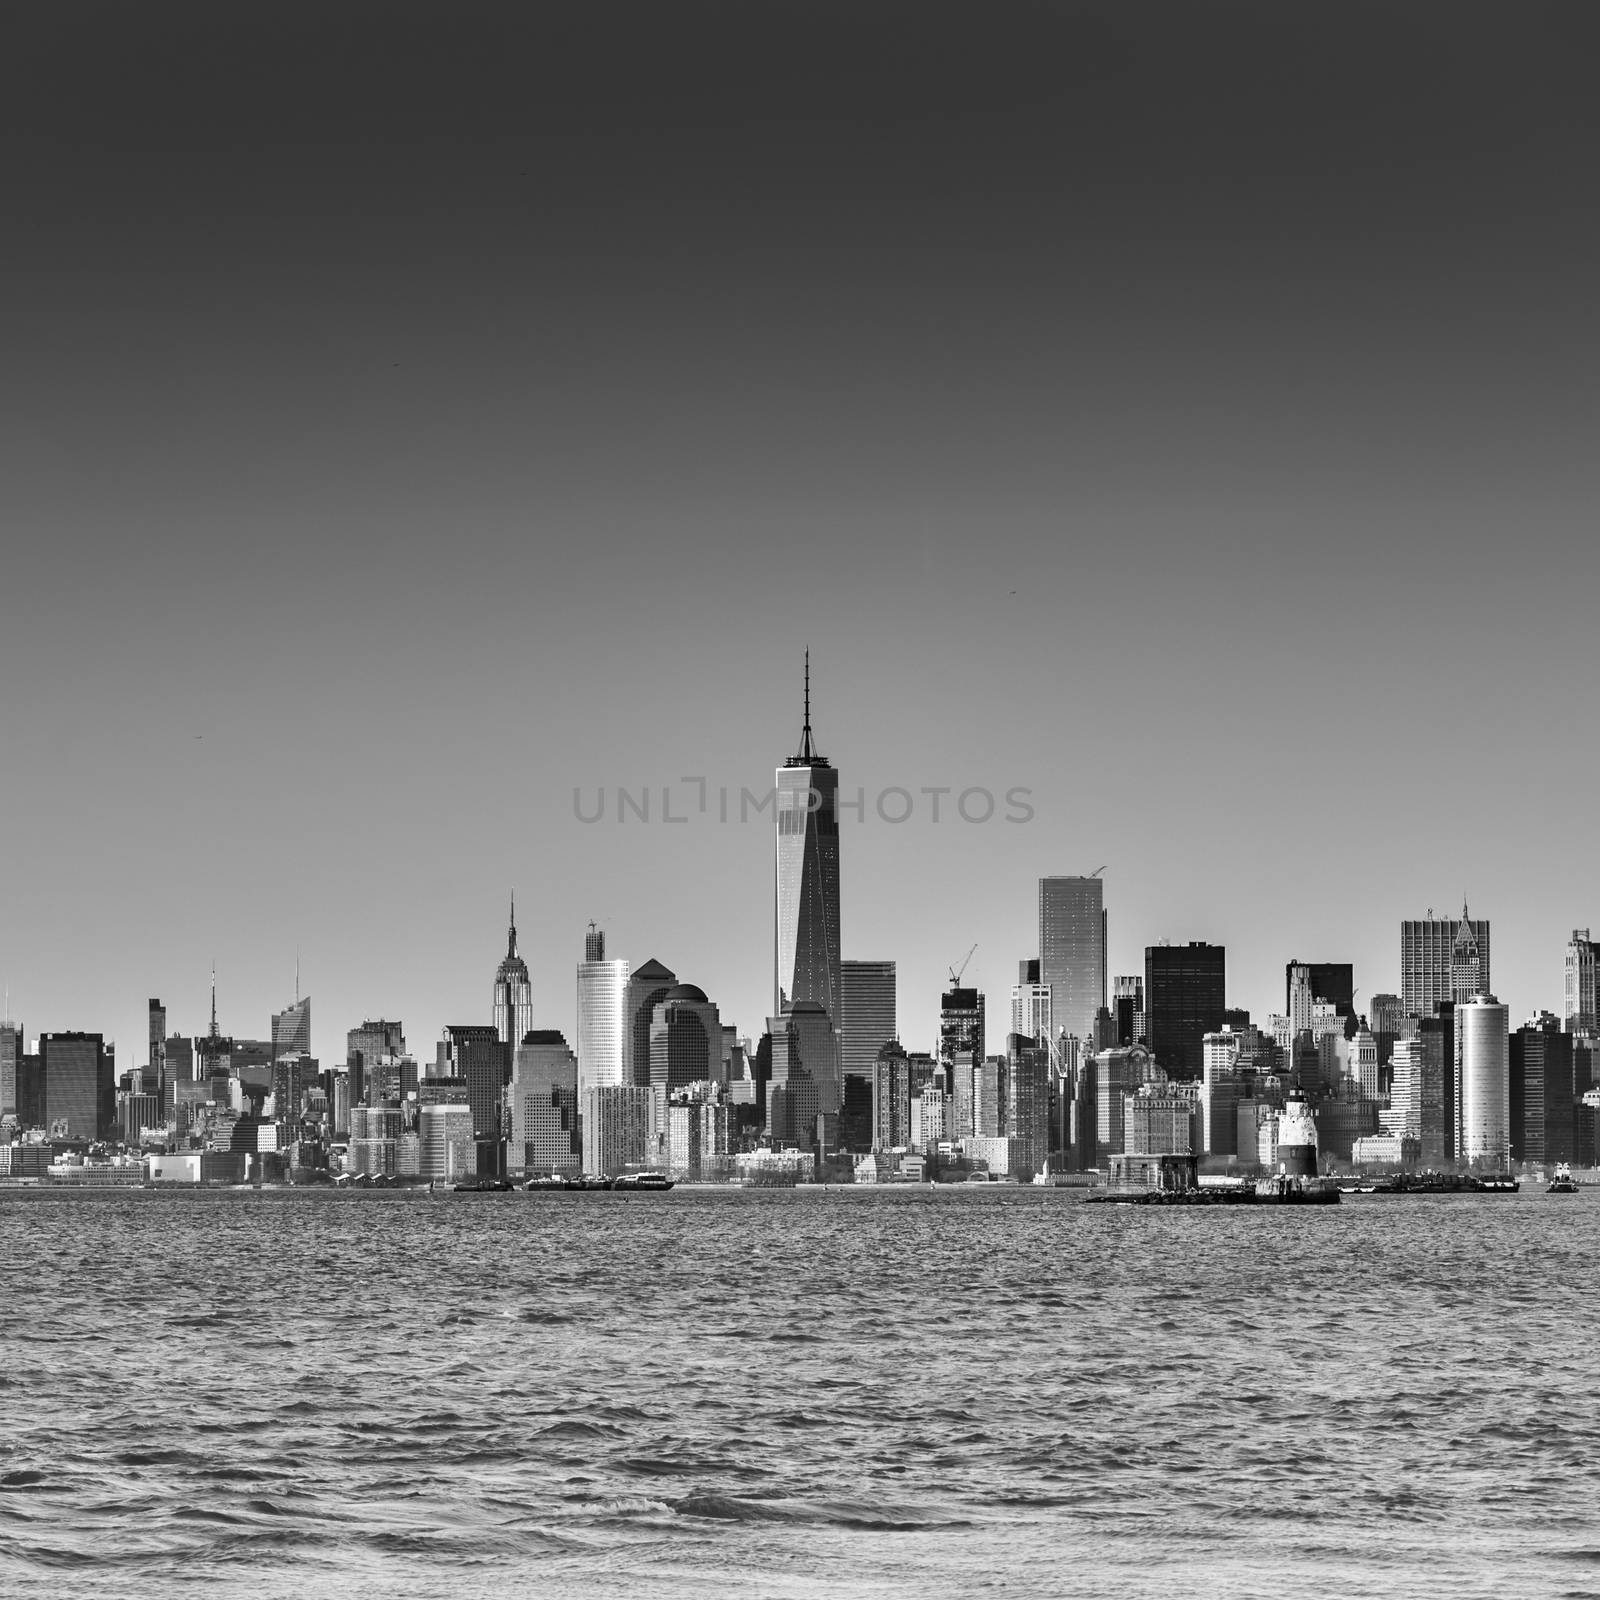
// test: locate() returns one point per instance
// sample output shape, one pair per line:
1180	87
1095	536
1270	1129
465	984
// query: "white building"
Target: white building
1483	1082
602	1016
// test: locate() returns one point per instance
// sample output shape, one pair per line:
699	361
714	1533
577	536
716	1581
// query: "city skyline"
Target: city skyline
1093	442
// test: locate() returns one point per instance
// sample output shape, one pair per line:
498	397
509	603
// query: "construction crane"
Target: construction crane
955	972
1098	870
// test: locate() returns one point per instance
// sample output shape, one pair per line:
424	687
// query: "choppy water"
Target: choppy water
709	1393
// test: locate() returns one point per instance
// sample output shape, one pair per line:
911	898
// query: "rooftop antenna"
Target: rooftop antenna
807	749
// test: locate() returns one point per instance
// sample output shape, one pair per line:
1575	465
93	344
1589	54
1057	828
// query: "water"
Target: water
888	1393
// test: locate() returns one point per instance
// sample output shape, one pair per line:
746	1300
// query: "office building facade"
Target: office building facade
1580	1013
1185	989
1443	960
685	1039
1072	951
867	1017
80	1090
1483	1083
602	1015
545	1136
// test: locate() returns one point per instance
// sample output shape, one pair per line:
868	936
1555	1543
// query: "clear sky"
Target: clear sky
410	414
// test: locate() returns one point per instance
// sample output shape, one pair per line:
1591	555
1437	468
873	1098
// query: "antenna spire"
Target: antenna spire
213	999
511	934
807	749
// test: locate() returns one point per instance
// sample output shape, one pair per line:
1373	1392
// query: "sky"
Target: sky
412	415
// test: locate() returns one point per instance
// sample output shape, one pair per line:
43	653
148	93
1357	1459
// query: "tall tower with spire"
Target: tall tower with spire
806	852
1443	959
513	991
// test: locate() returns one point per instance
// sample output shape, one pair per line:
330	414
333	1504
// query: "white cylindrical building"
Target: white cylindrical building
1297	1138
602	1016
1483	1083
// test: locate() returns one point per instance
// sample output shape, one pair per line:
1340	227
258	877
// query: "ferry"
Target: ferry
642	1180
1563	1182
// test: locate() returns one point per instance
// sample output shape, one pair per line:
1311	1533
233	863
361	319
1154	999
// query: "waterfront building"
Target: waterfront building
513	991
867	1017
1117	1074
891	1099
930	1119
619	1128
1580	1012
545	1135
1542	1092
995	1151
806	868
1072	951
1128	1016
1185	998
963	1074
11	1053
697	1134
448	1151
1219	1093
961	1024
1437	1036
1028	1102
602	1016
80	1084
685	1039
1483	1083
646	989
1442	960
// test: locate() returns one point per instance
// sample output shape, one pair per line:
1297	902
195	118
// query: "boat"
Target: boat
642	1180
1563	1182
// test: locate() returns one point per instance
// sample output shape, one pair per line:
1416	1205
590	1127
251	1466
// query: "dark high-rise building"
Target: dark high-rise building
545	1136
1543	1101
807	964
513	991
156	1078
1072	951
1185	988
1442	960
1028	1112
1437	1038
891	1099
478	1054
646	989
1128	1019
866	1016
80	1088
685	1039
805	1073
11	1053
961	1024
30	1091
1332	981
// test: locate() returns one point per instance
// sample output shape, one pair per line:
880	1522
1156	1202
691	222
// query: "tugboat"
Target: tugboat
1563	1182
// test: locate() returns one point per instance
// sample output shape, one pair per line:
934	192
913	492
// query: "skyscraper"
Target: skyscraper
479	1055
866	1015
80	1090
645	991
1442	960
1543	1093
1028	1101
157	1058
1030	1005
10	1061
602	1015
891	1099
805	1073
961	1024
513	991
1185	987
1580	1013
544	1105
1333	981
685	1039
1483	1082
1128	1016
291	1028
1072	951
807	964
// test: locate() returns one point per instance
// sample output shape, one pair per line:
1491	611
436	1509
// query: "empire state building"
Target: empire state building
513	991
807	857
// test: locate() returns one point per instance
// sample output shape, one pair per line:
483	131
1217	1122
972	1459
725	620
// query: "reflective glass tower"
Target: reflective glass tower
1072	951
807	871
